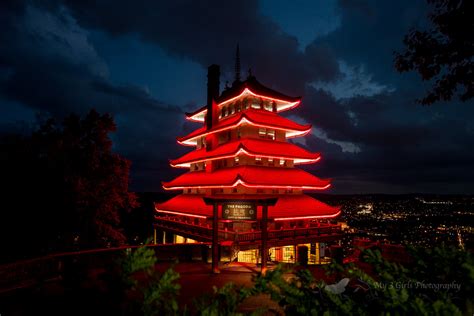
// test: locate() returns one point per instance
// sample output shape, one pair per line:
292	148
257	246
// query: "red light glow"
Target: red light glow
243	151
290	133
179	213
240	182
307	217
199	117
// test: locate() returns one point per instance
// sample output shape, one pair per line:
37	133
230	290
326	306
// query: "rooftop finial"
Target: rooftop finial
237	64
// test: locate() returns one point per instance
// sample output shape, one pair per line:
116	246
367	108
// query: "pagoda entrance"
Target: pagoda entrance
239	210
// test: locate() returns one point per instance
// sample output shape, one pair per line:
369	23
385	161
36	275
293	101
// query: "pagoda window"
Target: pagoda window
271	162
234	190
274	106
258	160
246	103
267	106
220	113
236	160
238	106
239	132
262	132
282	162
231	109
271	134
256	104
224	163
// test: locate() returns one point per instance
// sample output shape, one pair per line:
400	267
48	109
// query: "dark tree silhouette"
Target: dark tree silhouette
444	53
64	187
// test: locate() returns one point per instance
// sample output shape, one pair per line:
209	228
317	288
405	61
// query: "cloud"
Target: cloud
207	32
371	134
50	66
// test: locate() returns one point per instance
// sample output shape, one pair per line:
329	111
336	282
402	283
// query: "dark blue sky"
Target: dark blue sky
145	62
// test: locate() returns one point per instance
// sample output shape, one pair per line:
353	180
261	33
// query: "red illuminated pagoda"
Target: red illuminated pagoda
241	155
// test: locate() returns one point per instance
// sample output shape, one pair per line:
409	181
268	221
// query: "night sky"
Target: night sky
146	62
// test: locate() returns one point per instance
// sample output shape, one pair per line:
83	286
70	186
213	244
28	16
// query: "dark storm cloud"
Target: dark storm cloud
402	147
208	31
378	141
48	64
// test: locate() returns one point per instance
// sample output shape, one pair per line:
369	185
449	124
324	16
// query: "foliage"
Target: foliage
390	288
224	301
444	53
65	186
158	292
376	286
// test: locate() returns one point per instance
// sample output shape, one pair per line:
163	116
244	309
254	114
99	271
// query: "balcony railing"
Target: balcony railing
205	231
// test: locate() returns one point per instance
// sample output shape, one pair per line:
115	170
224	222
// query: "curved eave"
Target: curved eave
282	105
287	208
247	185
243	150
191	140
249	176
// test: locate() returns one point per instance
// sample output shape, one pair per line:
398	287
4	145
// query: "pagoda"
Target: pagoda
241	155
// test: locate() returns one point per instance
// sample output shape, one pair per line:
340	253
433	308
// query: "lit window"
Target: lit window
282	162
236	160
255	104
267	105
270	161
246	104
232	109
258	160
262	132
271	134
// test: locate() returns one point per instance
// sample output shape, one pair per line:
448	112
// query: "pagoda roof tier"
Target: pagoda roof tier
249	176
288	207
256	117
250	87
251	147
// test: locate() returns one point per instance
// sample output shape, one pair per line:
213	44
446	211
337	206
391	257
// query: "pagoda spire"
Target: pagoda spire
237	64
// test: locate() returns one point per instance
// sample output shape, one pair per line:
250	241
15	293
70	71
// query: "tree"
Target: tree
444	53
64	186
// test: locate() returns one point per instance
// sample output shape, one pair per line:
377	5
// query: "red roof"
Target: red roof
252	147
253	116
255	87
249	176
288	207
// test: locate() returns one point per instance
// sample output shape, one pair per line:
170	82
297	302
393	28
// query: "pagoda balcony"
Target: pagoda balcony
202	231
